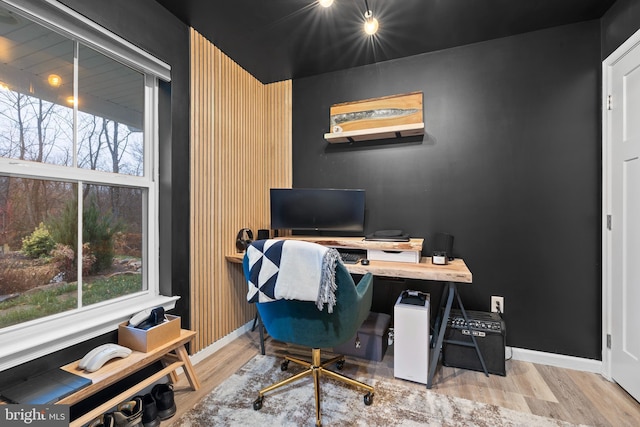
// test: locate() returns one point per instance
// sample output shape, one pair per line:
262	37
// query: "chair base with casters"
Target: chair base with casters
316	368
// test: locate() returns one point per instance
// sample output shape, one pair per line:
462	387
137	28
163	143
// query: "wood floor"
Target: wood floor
567	395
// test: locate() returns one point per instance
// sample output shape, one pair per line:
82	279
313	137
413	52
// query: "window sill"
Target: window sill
39	338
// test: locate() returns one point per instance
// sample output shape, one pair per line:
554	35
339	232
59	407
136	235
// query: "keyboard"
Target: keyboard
350	257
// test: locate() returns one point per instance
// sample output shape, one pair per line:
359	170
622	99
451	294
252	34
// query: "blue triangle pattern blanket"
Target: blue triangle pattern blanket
292	269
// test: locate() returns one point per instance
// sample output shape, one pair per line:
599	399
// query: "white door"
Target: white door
624	121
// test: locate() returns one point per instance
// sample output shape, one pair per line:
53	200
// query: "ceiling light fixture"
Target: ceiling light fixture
325	3
370	22
54	80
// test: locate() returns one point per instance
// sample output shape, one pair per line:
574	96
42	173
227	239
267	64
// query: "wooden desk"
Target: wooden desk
455	271
451	274
172	354
361	243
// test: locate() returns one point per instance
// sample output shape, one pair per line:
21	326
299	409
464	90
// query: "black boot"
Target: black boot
150	416
163	395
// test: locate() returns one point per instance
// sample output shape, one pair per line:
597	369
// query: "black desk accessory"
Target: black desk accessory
388	236
244	239
413	297
155	318
442	248
350	257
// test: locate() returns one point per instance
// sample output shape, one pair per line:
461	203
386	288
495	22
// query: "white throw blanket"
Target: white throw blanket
293	270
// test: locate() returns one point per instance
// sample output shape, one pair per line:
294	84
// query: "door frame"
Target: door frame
607	309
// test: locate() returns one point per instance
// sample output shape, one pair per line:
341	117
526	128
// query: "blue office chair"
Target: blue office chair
302	323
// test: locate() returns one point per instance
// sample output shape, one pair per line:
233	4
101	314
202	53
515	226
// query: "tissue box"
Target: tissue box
150	339
374	338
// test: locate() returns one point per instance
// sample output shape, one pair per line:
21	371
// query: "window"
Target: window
78	182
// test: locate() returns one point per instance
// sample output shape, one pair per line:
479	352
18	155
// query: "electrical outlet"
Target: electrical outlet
497	304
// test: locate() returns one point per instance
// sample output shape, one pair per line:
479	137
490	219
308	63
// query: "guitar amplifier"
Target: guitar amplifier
490	332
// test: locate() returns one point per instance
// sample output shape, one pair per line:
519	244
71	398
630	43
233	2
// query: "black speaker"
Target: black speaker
243	239
443	245
263	234
490	332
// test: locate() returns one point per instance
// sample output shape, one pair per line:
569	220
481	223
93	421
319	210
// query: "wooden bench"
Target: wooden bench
173	355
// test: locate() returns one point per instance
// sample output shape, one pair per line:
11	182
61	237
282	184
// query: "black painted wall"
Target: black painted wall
509	164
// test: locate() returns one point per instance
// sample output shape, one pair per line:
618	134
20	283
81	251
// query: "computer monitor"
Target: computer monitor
317	209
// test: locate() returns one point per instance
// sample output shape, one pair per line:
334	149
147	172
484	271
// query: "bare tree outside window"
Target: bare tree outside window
110	118
96	127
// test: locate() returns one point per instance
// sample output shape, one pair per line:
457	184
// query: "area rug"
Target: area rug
231	404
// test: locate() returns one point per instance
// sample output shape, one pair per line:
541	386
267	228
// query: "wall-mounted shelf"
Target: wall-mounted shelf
376	133
392	116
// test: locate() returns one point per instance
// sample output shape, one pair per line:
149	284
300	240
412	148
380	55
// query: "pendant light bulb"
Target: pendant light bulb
370	23
325	3
54	80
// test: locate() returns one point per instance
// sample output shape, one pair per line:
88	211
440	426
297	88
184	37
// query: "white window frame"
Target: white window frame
37	338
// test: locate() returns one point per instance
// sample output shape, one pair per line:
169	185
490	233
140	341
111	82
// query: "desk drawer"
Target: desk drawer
395	256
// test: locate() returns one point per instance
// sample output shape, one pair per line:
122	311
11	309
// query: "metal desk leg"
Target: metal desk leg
473	337
449	291
441	326
438	319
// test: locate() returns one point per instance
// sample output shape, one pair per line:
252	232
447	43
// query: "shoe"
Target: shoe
104	420
163	395
150	417
129	413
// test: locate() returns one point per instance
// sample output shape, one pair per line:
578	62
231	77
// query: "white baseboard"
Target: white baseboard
208	351
557	360
522	354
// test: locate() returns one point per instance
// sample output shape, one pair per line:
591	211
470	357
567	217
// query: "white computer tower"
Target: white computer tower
411	337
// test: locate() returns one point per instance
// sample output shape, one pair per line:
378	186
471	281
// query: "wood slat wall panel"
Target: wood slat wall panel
240	147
